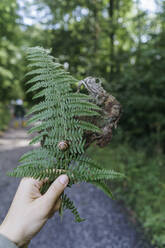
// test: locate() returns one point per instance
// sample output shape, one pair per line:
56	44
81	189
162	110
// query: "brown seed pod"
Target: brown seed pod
63	145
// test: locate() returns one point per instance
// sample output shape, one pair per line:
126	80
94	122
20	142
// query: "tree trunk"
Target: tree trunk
112	34
95	12
139	25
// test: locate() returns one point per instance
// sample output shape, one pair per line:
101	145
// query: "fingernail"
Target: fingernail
63	179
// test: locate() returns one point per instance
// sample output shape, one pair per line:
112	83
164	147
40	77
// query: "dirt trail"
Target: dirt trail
107	225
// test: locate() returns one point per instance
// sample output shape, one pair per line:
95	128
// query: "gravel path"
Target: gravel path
107	224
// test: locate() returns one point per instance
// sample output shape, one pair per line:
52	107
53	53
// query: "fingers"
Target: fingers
55	190
25	188
30	188
55	208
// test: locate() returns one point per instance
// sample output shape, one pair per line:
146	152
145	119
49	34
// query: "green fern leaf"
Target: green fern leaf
59	119
104	187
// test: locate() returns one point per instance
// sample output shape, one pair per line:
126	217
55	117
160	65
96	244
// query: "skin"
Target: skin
30	210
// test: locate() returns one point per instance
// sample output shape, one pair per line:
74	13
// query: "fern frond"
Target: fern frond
47	76
83	105
104	187
85	174
60	117
38	138
42	93
36	128
39	153
88	126
45	115
41	71
84	112
77	96
68	204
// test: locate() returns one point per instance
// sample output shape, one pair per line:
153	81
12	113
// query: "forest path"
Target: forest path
106	226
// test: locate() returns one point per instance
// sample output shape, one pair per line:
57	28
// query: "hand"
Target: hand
30	210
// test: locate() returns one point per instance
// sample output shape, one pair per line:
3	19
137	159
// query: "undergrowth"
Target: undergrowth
4	117
143	190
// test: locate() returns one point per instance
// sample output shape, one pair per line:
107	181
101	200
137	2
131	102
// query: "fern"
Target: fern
57	117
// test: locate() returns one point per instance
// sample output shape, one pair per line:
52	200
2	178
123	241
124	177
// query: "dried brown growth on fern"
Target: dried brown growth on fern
110	111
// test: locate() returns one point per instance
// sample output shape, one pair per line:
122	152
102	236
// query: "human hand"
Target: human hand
30	210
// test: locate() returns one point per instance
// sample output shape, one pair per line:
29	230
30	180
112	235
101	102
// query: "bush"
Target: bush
4	116
143	190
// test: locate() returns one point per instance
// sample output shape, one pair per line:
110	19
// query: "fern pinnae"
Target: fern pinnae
104	187
68	204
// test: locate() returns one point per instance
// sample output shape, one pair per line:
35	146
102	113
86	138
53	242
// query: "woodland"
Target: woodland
123	44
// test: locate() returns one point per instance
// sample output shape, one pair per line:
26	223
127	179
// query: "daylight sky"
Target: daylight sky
147	5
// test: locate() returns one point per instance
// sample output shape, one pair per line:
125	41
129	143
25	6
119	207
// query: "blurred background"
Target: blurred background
122	41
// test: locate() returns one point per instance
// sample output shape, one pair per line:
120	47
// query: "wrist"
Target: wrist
12	235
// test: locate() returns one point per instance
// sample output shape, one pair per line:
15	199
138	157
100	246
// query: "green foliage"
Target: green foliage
86	27
4	117
90	41
143	190
58	117
68	204
11	66
144	100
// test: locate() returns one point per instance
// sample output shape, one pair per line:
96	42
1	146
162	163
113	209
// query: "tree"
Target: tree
10	55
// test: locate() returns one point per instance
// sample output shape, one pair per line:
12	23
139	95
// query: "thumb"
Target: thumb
56	189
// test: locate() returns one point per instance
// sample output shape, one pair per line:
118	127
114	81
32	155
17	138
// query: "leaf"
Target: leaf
104	187
56	119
